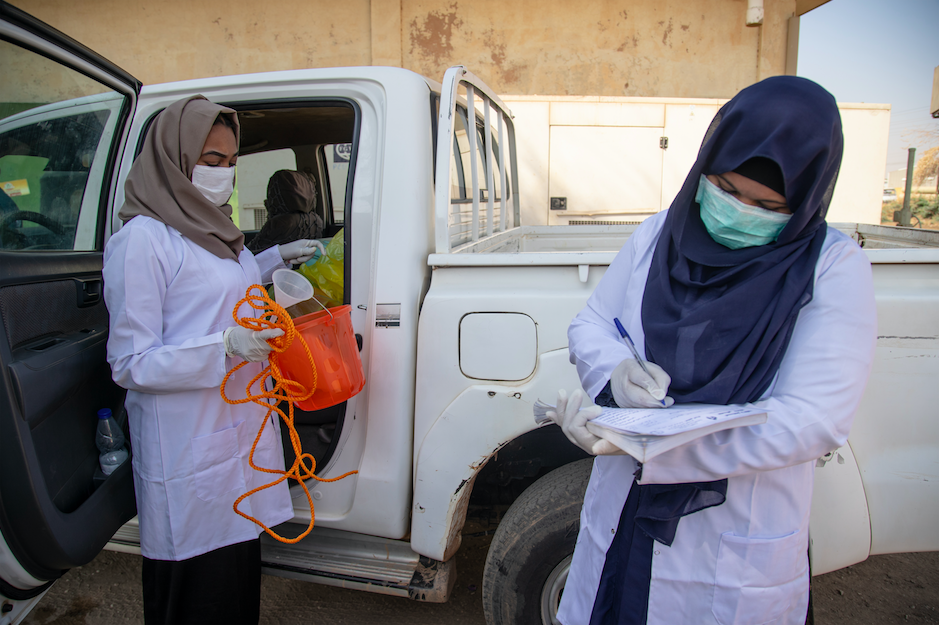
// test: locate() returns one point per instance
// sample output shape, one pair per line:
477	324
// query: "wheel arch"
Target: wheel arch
520	463
473	430
486	423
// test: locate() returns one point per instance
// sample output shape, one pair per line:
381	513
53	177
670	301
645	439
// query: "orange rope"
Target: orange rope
274	316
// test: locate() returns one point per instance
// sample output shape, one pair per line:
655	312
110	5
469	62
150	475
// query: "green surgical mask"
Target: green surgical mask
734	224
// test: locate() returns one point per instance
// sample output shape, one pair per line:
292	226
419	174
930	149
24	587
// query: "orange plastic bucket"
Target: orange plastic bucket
328	334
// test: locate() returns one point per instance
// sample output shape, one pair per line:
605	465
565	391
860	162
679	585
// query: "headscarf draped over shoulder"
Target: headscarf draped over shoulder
159	184
719	320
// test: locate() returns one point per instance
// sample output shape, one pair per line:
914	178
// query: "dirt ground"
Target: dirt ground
898	588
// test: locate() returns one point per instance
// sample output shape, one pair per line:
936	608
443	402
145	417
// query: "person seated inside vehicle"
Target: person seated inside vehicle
290	203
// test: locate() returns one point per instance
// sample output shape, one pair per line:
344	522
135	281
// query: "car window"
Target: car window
337	168
253	173
56	131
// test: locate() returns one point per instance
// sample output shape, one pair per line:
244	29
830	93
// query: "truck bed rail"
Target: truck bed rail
459	221
598	245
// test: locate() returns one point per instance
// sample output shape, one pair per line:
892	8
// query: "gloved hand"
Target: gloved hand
250	345
573	421
300	251
633	388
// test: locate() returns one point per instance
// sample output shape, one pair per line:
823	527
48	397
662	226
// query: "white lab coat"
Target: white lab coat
743	562
169	301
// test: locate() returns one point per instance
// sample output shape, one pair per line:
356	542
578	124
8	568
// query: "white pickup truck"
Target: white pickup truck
461	313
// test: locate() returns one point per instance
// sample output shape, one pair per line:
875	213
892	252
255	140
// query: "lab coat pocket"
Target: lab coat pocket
268	452
757	579
217	467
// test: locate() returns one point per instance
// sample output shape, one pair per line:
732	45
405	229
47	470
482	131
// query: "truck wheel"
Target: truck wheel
531	552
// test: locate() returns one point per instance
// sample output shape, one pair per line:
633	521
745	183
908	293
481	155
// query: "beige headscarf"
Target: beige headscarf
159	185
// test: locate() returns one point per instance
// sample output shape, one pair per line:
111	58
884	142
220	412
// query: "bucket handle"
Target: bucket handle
313	297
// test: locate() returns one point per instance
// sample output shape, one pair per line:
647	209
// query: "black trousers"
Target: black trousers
221	586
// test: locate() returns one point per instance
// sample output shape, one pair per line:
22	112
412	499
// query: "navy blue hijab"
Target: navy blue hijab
719	320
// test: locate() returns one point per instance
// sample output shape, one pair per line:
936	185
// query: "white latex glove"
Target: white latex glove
573	421
248	344
633	388
300	251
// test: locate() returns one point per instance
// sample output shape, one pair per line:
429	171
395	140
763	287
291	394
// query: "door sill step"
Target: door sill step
348	560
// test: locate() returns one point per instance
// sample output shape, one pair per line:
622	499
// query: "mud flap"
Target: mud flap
433	580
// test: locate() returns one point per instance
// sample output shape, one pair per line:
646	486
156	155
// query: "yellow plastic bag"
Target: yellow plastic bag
326	272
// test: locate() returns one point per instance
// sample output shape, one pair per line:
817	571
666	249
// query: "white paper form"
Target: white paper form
667	421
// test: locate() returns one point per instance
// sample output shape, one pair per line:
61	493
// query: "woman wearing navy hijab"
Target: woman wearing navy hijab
738	293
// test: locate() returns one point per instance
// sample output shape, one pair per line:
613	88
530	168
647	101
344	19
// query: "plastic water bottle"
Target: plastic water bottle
110	441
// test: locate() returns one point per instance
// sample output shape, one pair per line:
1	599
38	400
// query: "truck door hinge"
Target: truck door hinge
663	143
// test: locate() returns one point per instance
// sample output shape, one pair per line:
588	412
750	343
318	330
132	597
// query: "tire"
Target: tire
531	551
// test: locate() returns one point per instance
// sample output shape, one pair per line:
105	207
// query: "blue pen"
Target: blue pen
632	347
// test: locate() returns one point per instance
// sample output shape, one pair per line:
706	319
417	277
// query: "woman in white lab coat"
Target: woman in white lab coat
739	293
172	275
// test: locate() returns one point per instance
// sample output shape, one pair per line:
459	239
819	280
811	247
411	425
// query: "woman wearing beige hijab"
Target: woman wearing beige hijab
172	275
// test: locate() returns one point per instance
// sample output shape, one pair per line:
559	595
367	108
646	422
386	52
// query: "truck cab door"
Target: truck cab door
63	120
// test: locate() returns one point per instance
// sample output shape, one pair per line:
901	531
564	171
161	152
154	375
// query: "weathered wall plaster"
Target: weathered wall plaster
646	48
671	48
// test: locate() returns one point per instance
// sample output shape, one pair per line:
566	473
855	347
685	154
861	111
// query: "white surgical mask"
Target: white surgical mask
733	223
215	183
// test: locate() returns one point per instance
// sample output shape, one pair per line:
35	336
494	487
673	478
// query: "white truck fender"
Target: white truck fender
480	421
840	524
485	417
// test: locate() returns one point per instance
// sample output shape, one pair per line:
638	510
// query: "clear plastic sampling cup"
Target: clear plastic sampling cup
294	292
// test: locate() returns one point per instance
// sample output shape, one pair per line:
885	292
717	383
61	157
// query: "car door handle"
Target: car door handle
88	291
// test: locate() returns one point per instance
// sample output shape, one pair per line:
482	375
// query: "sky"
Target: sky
882	51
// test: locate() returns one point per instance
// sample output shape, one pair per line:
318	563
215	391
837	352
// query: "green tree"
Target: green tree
926	165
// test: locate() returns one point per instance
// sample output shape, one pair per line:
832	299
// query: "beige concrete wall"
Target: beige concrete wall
687	48
166	40
934	103
603	155
31	78
684	48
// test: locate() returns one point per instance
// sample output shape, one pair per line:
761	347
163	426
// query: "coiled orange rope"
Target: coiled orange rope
274	316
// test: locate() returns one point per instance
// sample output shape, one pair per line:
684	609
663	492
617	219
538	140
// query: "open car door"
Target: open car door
63	119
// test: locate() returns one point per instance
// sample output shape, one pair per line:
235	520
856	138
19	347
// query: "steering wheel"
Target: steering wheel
38	218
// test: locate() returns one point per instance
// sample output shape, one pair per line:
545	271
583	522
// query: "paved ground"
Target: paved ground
899	588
